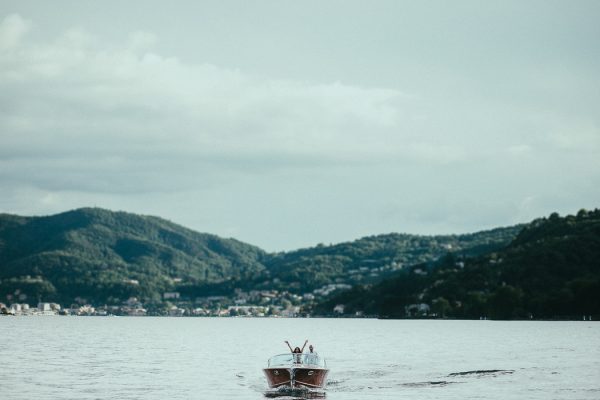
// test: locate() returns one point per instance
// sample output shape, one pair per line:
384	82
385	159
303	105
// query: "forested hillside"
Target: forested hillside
104	257
550	270
372	258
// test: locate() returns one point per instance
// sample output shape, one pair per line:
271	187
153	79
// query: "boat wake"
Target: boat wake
483	372
295	394
426	384
476	373
383	380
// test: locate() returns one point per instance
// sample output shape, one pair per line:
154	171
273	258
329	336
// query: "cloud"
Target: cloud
519	150
76	107
12	29
125	124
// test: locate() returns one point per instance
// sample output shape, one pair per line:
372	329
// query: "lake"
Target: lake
221	358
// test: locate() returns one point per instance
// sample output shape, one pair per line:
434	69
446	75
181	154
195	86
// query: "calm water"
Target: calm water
202	358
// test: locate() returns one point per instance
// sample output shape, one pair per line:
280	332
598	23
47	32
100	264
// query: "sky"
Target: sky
287	124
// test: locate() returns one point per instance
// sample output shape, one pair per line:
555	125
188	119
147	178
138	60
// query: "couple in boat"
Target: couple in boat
297	351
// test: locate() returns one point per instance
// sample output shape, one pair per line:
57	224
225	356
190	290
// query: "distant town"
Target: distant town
254	303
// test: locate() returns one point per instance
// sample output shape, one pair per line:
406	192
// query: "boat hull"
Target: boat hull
296	377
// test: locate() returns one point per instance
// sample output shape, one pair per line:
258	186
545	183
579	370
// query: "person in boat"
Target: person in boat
297	352
312	357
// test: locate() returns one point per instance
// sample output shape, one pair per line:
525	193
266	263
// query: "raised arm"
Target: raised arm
302	350
288	344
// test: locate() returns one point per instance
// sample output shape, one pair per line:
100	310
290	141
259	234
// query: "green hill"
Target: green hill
550	270
103	256
373	258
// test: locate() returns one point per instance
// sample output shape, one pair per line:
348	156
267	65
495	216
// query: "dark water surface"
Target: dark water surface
221	358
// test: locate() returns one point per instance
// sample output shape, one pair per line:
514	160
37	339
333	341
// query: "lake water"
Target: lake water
221	358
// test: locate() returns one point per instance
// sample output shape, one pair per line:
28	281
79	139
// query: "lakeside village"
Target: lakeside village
254	303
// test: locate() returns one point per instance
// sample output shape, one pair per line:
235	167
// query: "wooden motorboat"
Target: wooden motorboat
296	370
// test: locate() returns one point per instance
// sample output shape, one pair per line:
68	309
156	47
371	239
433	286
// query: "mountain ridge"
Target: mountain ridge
105	256
550	270
101	245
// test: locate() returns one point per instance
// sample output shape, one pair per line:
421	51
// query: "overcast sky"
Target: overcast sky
286	123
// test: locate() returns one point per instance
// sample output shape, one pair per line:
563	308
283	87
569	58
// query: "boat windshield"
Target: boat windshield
295	358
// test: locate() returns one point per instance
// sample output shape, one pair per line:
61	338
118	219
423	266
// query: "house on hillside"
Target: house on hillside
417	310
